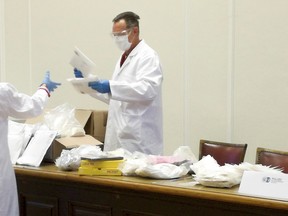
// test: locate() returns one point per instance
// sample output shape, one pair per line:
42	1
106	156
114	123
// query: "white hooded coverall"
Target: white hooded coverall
135	103
16	105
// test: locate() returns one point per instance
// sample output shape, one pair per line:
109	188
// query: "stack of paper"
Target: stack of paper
100	166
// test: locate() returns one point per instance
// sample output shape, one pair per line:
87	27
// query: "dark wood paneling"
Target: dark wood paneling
53	193
38	205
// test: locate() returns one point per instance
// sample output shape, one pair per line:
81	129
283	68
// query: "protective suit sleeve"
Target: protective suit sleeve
102	97
19	105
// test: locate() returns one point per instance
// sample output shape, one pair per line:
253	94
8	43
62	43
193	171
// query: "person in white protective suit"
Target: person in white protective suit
17	105
134	92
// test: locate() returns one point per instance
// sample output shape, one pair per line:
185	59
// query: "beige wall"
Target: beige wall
225	61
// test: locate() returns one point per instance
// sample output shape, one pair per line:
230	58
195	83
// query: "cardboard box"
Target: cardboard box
86	119
98	124
68	143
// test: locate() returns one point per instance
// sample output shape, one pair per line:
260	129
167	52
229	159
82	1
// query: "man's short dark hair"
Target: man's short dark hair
130	18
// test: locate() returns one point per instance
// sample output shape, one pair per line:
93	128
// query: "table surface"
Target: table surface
184	187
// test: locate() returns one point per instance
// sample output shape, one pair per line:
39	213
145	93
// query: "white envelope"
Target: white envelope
37	148
15	142
80	61
19	135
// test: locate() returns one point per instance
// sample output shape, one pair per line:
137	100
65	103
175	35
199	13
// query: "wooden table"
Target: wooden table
47	191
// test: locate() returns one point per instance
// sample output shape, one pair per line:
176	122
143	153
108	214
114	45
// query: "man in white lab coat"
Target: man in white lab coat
17	105
134	92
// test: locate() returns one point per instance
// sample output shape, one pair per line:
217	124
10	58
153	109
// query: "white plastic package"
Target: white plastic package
81	84
162	171
158	167
185	153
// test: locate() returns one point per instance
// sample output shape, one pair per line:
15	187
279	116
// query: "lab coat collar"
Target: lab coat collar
132	53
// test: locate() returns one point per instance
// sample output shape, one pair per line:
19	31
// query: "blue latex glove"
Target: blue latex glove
102	86
50	84
78	73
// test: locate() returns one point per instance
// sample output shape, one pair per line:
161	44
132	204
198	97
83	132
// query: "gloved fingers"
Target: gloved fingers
54	85
94	83
78	73
52	82
47	75
101	86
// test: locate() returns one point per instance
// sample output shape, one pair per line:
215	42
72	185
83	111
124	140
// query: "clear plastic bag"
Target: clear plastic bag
62	119
71	159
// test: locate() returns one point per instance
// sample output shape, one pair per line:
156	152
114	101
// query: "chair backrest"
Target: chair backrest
223	152
273	158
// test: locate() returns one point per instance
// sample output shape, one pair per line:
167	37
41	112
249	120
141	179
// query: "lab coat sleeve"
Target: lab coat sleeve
102	97
19	105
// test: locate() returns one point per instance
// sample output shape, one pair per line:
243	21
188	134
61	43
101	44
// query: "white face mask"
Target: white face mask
122	42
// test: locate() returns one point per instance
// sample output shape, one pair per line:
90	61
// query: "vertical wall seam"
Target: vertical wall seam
30	45
2	42
231	71
186	95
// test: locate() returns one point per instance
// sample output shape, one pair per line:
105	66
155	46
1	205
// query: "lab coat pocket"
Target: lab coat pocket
130	127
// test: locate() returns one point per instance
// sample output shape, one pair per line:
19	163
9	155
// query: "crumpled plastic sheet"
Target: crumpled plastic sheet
159	167
162	171
70	160
135	164
209	173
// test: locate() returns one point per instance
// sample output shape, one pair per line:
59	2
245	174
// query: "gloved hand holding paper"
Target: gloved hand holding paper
81	84
85	69
80	61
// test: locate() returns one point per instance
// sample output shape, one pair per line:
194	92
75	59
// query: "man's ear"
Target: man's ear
135	30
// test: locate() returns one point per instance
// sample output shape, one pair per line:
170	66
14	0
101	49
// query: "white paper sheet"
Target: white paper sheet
265	184
81	84
15	142
19	135
38	146
80	61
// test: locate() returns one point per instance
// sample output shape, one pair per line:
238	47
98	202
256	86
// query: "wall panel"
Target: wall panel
224	61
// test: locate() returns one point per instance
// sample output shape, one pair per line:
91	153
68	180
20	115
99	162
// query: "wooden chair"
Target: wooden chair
223	152
273	158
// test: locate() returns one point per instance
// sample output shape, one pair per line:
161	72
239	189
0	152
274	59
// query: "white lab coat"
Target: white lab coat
135	103
16	105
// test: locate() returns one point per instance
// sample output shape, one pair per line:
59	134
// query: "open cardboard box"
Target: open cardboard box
94	124
97	126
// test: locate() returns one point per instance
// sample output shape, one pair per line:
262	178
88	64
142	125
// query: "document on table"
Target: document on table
264	184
